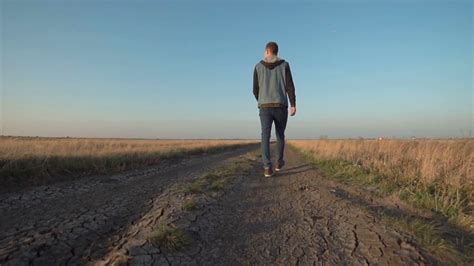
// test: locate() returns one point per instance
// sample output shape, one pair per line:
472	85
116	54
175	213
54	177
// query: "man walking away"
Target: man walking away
272	86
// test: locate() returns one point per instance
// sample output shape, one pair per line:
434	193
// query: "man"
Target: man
272	86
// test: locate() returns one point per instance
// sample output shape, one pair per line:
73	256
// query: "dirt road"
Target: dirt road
296	217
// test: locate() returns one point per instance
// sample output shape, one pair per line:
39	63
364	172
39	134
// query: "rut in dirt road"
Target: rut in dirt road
77	222
296	217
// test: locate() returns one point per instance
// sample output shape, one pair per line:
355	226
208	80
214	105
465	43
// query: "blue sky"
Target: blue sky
183	69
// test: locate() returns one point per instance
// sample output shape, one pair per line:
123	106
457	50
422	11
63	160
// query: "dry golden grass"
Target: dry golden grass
12	148
33	161
433	174
428	174
448	162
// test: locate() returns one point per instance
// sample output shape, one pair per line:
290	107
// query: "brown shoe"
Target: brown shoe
267	172
278	167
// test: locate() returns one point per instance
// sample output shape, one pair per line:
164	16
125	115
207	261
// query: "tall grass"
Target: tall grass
33	161
12	148
415	161
434	174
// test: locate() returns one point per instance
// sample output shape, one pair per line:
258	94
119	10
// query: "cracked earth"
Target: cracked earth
296	217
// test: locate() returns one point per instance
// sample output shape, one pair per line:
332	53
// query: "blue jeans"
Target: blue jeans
279	115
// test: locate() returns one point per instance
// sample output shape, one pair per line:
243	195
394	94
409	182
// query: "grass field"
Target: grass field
432	174
32	161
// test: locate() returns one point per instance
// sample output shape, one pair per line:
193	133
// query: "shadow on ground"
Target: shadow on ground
456	236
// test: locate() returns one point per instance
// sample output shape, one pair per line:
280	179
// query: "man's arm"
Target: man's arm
255	84
290	86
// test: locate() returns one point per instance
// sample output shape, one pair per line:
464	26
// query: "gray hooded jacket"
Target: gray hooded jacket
273	83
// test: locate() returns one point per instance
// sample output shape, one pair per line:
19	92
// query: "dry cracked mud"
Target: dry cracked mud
297	217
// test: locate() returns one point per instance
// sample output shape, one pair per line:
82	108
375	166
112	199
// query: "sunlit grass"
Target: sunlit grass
31	161
452	200
419	162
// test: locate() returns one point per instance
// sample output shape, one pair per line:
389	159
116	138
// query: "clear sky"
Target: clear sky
183	69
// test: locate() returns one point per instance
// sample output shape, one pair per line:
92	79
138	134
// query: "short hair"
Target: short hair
273	47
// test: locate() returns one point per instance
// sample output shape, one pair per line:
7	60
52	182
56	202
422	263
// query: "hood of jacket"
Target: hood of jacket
272	61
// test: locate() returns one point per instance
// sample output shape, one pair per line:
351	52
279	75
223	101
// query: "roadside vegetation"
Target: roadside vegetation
34	161
170	237
432	175
217	179
190	205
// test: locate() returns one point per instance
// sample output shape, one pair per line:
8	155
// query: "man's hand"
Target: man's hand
293	111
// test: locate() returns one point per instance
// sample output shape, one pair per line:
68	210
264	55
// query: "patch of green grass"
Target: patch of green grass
190	205
448	201
210	176
242	166
348	171
255	154
217	179
200	184
195	187
170	238
218	184
429	235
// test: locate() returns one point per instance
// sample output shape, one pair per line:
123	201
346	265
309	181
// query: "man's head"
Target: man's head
271	49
